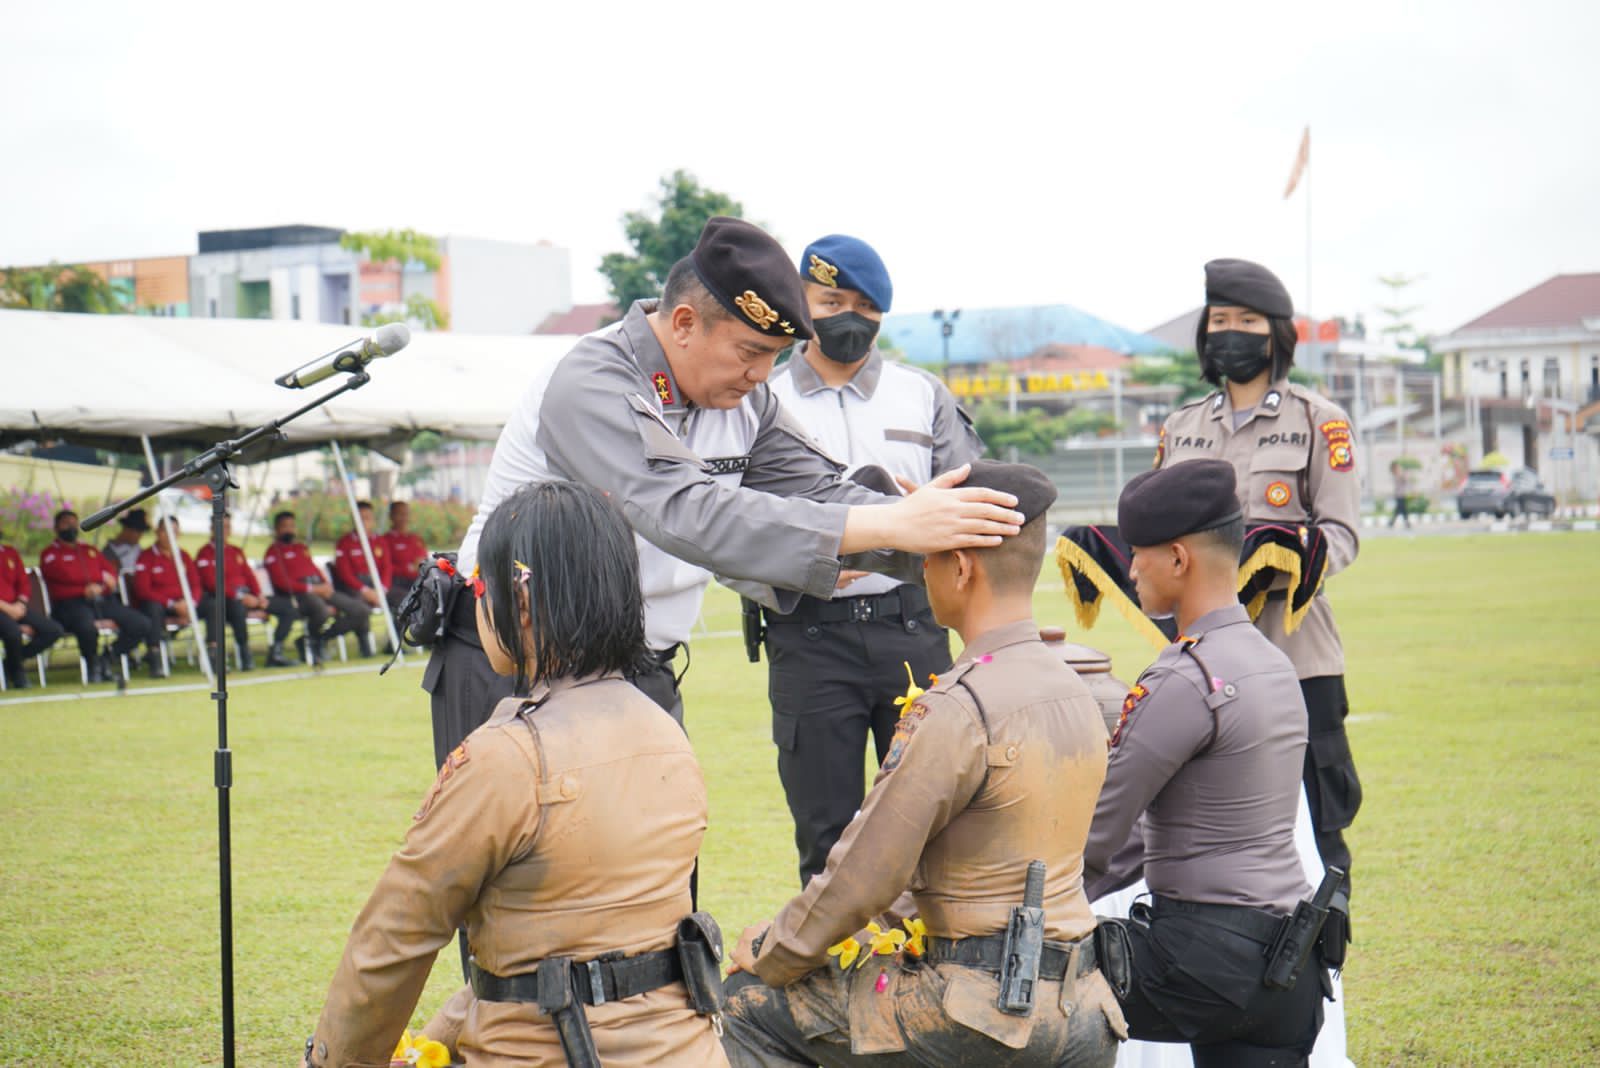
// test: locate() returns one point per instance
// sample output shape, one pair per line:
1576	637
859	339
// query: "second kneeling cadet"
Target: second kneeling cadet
1201	791
997	765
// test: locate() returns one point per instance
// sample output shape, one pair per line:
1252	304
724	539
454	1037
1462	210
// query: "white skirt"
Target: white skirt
1330	1049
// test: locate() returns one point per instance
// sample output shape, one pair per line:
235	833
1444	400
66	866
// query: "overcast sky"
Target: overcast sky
995	153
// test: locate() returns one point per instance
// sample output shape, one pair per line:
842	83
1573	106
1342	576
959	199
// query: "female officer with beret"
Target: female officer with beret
1294	454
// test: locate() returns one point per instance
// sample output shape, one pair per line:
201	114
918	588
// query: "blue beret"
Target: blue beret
845	262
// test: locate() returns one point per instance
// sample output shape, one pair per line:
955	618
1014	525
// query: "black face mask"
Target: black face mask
69	535
846	337
286	537
1238	355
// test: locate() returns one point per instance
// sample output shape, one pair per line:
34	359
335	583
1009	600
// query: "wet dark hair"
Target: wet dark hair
583	594
1283	342
683	286
280	517
1013	566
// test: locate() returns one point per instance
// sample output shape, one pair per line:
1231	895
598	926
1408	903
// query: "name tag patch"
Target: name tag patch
728	465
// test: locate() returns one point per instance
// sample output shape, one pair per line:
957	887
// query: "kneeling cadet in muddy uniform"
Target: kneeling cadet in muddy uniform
561	833
997	765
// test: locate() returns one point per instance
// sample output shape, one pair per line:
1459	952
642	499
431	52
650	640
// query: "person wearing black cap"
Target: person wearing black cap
1201	791
996	765
123	550
838	664
1294	454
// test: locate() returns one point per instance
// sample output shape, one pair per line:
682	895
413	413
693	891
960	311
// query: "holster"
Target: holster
572	1024
1114	951
1336	932
422	613
700	953
754	631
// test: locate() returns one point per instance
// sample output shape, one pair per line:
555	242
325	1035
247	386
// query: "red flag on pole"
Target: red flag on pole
1302	159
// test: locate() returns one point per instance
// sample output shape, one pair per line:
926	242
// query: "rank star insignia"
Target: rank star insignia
755	309
823	271
663	386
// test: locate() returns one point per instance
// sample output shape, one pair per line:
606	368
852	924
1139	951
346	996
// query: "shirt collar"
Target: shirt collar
806	380
1220	406
651	357
992	641
1220	617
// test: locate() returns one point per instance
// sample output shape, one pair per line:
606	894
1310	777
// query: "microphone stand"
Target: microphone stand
215	465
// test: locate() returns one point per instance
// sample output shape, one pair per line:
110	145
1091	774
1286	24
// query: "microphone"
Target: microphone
385	341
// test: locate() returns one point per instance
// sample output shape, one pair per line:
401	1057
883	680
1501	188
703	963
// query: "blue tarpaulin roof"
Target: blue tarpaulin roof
985	334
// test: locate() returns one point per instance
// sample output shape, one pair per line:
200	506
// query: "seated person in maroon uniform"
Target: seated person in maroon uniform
405	550
241	595
156	590
82	586
299	584
25	631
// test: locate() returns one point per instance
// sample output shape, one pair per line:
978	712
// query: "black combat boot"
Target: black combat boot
153	662
364	640
247	660
275	657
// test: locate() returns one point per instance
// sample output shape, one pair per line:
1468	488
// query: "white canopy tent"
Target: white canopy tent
125	383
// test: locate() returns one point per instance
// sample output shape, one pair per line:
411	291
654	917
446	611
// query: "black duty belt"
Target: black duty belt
987	952
897	604
1258	925
595	982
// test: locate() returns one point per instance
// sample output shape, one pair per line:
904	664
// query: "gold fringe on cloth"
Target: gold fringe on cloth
1270	556
1070	558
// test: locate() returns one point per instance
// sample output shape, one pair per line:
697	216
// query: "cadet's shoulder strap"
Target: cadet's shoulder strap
1218	692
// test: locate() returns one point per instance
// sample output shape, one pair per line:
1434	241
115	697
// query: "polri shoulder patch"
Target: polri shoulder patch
1341	447
457	758
1129	703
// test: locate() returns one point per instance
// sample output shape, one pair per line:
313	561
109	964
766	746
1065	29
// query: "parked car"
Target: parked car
1503	492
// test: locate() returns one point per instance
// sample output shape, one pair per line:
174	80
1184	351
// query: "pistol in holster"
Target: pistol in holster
1019	966
1299	934
754	631
558	1000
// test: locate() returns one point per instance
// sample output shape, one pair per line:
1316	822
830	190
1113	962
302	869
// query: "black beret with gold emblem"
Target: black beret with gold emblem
1165	504
750	275
1034	492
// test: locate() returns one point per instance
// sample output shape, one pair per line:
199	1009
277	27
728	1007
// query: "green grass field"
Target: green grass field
1473	684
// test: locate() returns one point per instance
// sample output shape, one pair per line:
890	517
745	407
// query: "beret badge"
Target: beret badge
756	310
823	271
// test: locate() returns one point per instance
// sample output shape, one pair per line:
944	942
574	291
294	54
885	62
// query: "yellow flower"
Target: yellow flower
885	943
913	691
846	951
420	1052
918	931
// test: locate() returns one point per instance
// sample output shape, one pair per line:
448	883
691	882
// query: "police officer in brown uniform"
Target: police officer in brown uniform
561	832
1294	455
999	763
1201	791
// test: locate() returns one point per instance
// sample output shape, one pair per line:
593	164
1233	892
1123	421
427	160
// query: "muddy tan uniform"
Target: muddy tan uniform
565	826
1295	460
998	764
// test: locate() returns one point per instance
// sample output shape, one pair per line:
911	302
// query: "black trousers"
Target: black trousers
77	615
234	612
397	591
1400	511
155	613
1200	983
1333	789
831	685
46	632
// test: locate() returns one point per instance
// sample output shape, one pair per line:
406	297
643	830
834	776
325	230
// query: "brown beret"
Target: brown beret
1165	504
749	274
1034	492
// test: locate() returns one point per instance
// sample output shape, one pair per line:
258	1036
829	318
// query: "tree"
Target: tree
684	205
398	248
1399	328
59	288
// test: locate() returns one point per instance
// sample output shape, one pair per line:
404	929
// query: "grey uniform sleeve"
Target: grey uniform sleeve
955	442
592	430
1164	728
1335	495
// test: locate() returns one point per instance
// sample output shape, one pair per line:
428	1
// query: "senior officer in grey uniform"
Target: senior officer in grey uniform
995	766
1294	454
837	664
1201	791
669	413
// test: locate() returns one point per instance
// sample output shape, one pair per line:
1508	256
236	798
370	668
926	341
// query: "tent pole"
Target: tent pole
366	550
177	561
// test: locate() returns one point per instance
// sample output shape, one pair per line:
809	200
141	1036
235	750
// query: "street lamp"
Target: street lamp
947	326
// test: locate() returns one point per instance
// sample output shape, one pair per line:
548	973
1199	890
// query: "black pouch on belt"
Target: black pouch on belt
1113	950
572	1024
700	953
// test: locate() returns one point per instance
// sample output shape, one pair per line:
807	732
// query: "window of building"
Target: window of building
1552	377
294	306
